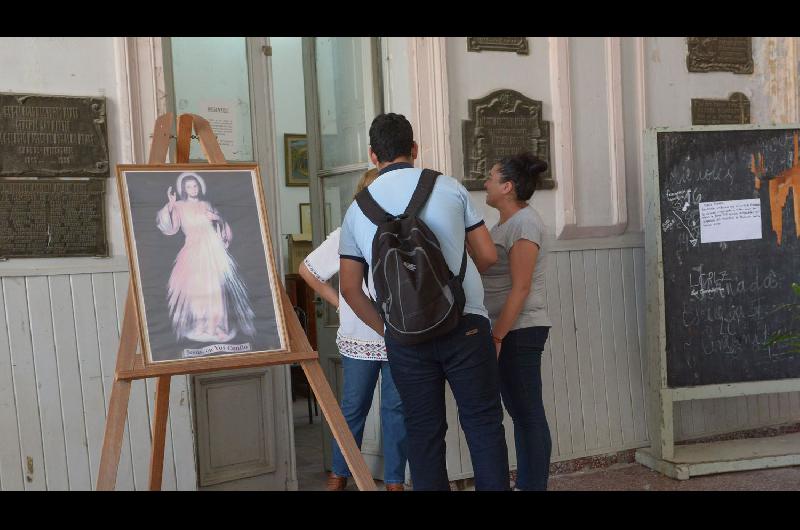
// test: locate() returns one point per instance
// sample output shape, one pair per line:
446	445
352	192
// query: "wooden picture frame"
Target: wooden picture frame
295	152
305	218
204	293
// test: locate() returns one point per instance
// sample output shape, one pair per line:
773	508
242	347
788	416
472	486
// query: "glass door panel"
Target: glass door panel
342	98
210	78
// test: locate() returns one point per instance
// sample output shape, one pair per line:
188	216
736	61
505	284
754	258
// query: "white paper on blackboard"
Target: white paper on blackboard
730	220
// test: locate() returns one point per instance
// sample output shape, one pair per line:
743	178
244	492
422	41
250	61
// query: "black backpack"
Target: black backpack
418	296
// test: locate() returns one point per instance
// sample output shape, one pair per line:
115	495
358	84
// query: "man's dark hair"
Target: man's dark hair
390	136
523	170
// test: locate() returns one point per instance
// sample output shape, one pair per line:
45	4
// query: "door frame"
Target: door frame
332	364
148	78
259	61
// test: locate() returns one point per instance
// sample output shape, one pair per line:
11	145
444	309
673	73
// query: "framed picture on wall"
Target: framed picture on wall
204	277
305	218
295	150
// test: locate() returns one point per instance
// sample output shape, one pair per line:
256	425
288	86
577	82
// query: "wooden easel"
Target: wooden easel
130	365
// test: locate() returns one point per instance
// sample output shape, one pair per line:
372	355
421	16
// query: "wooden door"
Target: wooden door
242	419
343	95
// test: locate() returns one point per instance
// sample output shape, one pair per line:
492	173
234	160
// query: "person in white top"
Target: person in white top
363	358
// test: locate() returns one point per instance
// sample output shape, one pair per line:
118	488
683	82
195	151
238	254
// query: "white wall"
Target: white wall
60	317
396	85
670	86
473	75
75	66
656	90
290	117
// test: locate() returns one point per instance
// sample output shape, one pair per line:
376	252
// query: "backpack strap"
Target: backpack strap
370	207
463	265
423	190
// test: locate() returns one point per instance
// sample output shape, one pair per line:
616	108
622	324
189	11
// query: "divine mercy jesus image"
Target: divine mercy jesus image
207	298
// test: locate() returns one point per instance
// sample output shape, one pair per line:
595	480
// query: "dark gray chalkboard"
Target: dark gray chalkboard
723	301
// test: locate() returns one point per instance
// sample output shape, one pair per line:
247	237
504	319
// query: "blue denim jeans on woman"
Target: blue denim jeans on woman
466	358
360	377
521	387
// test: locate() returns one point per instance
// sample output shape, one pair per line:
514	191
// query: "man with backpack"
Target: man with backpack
411	228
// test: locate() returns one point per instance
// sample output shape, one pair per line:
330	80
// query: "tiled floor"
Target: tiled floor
621	477
635	477
311	474
308	448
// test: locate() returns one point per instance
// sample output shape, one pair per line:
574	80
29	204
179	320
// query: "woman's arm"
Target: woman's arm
481	248
351	276
324	289
522	262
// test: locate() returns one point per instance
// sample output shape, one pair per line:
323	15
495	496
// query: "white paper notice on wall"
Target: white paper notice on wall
730	220
221	115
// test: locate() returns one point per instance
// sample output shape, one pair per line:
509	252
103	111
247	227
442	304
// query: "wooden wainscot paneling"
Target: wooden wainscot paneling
235	426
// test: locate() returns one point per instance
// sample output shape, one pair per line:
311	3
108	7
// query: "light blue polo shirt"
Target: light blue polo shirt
449	213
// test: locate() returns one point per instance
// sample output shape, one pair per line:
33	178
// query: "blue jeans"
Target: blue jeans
360	377
466	359
521	387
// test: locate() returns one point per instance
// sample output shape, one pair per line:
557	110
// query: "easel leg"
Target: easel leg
341	432
159	432
112	439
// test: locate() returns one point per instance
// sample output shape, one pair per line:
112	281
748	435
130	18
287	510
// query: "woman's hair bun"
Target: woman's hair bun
523	170
536	165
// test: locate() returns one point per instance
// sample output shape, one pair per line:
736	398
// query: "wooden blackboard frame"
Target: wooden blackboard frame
662	455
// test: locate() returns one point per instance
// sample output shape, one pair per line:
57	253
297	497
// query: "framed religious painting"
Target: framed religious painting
295	152
201	262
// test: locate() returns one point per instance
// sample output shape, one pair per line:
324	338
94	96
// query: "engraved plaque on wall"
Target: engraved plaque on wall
734	110
720	54
501	124
53	136
48	217
498	44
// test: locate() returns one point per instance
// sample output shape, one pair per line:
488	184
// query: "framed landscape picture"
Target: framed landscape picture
201	262
295	150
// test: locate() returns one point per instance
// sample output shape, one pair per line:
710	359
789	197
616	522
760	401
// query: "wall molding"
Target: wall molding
567	226
626	240
641	120
84	266
430	102
146	85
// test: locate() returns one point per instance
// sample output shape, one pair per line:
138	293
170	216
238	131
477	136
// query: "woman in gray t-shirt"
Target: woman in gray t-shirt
514	295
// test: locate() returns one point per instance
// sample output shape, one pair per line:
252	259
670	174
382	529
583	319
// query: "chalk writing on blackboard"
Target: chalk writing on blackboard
683	214
779	187
730	220
724	301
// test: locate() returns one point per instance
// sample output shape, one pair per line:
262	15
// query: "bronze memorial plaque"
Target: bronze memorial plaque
731	111
53	136
501	124
498	44
52	217
63	143
720	54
